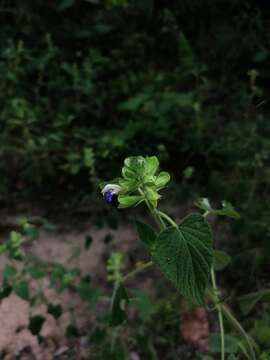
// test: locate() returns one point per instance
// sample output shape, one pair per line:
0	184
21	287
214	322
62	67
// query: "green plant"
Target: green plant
184	252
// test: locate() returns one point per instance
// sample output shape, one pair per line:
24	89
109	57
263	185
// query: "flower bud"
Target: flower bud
110	193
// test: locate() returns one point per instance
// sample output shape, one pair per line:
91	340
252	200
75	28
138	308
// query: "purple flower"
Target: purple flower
110	193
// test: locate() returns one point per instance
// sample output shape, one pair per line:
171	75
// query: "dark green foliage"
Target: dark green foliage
21	289
35	324
231	343
221	260
146	234
87	292
72	331
55	310
249	301
86	83
185	254
88	241
145	307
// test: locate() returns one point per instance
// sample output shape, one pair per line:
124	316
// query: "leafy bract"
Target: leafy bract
162	179
151	165
185	254
129	200
141	181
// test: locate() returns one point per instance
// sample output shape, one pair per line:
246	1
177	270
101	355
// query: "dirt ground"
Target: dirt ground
60	246
66	247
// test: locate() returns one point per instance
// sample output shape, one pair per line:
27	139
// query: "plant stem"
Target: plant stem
220	315
137	270
222	309
154	213
240	329
167	218
235	323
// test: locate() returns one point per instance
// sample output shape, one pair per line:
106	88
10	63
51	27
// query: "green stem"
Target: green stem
206	214
162	224
240	329
222	309
235	323
153	212
167	218
137	270
220	315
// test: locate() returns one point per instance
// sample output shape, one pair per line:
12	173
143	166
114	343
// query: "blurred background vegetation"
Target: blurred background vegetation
87	83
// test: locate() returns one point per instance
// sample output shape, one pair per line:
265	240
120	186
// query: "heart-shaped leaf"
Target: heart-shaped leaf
185	255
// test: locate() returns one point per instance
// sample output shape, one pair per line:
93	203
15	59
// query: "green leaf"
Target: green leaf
146	234
231	344
9	272
88	293
226	210
129	200
185	254
119	299
162	179
3	248
248	301
151	165
22	290
55	310
188	172
128	185
221	260
204	204
136	164
127	173
65	4
36	272
134	103
35	324
262	333
151	194
144	305
30	230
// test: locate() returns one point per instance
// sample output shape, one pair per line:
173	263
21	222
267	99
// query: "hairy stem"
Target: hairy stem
235	324
137	270
154	213
220	315
167	218
240	329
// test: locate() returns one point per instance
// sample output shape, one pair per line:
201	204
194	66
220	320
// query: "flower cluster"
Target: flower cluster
140	182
